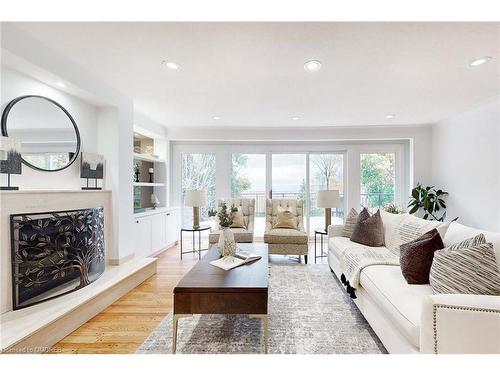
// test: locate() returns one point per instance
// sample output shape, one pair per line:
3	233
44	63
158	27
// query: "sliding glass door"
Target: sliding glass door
377	179
248	180
326	172
289	176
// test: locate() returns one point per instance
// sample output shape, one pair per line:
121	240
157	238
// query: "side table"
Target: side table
322	253
193	231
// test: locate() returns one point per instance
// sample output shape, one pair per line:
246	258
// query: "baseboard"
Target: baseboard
117	262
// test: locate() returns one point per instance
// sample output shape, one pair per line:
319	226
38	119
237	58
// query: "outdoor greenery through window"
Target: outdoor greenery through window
248	180
378	179
326	172
198	172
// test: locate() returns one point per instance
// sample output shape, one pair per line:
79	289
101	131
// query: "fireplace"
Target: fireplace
55	253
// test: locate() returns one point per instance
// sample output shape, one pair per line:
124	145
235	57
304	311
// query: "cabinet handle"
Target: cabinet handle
137	221
168	214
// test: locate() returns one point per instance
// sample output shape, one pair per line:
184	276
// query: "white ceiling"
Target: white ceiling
251	74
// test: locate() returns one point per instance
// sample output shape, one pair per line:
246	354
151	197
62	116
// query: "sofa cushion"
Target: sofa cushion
401	302
240	235
285	236
416	257
369	230
458	232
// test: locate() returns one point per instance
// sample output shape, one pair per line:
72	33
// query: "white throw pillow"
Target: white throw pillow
409	229
391	223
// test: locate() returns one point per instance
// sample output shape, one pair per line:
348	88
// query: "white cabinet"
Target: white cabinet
158	232
142	243
172	227
155	232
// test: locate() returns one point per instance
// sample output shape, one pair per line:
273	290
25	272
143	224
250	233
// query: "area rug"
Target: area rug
309	313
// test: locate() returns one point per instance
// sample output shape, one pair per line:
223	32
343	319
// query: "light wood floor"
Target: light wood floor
122	327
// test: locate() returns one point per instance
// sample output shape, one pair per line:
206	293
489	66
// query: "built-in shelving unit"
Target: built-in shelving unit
149	158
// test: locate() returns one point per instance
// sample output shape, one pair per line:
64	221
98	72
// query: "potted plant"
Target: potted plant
227	246
429	200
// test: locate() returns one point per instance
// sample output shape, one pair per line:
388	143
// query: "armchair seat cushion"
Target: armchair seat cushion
240	235
285	236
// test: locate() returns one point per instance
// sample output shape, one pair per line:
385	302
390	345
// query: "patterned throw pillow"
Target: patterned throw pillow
410	228
285	219
468	267
369	230
350	223
416	257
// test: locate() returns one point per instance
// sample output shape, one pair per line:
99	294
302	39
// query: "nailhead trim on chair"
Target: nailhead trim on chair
450	307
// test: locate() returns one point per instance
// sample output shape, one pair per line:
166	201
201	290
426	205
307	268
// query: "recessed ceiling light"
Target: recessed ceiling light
480	61
312	66
295	118
60	84
216	117
170	65
389	116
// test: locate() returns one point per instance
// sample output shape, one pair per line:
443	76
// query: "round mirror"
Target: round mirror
47	133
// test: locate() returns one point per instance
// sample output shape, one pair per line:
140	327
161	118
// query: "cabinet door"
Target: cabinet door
142	244
172	227
158	232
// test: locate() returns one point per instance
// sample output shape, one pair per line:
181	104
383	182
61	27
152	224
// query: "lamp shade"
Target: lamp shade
195	198
328	199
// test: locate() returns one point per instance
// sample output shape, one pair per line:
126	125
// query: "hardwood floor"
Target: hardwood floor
122	327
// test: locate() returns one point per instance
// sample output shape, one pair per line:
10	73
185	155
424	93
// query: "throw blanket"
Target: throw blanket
353	260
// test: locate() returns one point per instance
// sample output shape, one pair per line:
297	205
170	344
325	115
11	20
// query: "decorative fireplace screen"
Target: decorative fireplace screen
55	253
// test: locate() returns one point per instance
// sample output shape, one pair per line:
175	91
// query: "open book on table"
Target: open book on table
240	258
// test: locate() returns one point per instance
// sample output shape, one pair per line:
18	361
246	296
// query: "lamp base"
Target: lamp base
196	217
328	218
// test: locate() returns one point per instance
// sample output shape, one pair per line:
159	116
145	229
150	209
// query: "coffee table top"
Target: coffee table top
204	277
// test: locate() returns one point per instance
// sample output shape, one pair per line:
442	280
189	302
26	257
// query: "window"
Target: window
326	172
198	172
248	180
378	179
289	176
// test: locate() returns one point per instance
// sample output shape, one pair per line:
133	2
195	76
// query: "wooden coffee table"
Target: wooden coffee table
207	289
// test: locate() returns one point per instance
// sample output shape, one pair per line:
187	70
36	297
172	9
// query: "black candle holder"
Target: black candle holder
150	177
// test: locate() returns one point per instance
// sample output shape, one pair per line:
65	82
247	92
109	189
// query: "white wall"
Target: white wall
466	163
16	84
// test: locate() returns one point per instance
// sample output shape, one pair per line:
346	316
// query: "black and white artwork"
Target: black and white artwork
10	156
92	166
55	253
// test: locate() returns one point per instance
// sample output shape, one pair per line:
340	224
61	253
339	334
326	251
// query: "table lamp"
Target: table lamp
328	199
196	199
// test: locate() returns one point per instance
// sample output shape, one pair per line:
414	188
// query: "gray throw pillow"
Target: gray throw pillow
369	230
350	223
468	267
416	256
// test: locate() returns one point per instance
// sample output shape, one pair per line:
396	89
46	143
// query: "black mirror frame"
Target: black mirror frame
5	115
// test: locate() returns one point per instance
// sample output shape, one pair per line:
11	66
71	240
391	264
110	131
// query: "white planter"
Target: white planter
227	246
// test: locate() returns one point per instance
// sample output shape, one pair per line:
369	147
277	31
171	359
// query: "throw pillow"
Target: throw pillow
416	257
410	228
285	219
238	220
471	270
350	223
369	230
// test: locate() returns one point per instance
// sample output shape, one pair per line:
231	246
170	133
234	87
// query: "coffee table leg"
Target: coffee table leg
175	321
265	328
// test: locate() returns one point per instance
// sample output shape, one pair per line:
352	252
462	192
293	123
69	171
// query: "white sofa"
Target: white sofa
409	318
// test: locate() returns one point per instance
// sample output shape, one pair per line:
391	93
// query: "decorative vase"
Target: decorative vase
227	246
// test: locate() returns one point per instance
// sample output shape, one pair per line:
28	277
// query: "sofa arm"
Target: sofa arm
335	230
460	323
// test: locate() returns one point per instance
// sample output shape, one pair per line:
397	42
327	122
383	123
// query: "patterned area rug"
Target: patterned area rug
309	313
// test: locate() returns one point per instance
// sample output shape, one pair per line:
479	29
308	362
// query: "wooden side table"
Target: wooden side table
320	233
193	231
